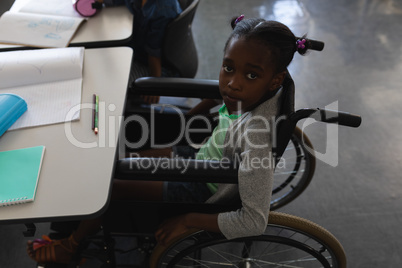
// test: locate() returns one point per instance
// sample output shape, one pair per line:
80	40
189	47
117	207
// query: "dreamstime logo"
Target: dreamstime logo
111	125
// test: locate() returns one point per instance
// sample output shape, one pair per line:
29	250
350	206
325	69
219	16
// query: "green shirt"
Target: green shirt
213	148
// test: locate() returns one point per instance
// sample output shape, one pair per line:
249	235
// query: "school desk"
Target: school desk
77	167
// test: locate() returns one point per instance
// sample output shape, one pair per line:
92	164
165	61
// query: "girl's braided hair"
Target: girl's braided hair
278	38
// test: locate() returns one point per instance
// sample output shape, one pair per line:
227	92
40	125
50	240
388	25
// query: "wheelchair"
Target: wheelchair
288	241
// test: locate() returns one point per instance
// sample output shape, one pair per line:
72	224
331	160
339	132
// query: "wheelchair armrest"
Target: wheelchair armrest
176	169
177	87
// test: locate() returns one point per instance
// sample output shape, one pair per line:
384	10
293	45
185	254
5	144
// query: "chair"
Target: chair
179	51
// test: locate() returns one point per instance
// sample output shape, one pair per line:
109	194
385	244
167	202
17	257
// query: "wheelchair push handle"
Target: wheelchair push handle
342	118
329	116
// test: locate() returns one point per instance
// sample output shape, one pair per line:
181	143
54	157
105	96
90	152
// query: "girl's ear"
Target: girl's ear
278	80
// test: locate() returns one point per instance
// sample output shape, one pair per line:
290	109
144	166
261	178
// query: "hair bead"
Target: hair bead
239	19
301	43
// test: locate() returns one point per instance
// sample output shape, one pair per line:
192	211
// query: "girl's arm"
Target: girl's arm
176	226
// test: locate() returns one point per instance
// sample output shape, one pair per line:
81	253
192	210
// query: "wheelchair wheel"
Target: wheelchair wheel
288	241
294	171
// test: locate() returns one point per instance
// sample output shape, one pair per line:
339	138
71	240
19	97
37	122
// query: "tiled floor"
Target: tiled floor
359	198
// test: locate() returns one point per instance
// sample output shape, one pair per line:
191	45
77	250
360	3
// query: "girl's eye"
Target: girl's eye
251	76
227	69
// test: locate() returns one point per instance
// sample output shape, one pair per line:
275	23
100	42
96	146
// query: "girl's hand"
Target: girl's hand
170	229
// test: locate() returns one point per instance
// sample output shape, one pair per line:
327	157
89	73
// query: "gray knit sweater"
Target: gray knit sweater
249	141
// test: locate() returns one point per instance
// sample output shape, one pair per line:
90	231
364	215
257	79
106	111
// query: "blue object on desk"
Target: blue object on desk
11	108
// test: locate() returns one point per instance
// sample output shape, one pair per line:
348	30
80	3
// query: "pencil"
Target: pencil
96	114
93	111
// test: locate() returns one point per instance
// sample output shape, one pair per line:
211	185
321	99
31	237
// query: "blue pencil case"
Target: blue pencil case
11	108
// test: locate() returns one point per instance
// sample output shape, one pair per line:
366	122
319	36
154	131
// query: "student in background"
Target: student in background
150	20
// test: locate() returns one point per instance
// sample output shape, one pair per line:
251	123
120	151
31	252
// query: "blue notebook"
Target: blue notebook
19	175
11	108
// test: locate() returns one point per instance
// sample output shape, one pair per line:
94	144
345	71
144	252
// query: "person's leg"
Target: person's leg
62	251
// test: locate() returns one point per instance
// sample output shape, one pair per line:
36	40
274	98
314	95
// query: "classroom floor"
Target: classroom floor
356	192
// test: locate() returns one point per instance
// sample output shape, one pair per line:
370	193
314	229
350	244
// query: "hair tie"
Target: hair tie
239	19
301	43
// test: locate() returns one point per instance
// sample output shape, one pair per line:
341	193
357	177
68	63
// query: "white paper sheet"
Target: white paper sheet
37	29
27	67
49	80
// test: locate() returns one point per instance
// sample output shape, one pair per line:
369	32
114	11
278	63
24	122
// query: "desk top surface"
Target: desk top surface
110	24
77	167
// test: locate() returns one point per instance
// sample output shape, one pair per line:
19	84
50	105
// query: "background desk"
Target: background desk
112	26
75	182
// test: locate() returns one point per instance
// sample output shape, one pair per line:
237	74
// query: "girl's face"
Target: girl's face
247	77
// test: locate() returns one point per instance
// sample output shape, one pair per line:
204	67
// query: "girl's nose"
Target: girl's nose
235	83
